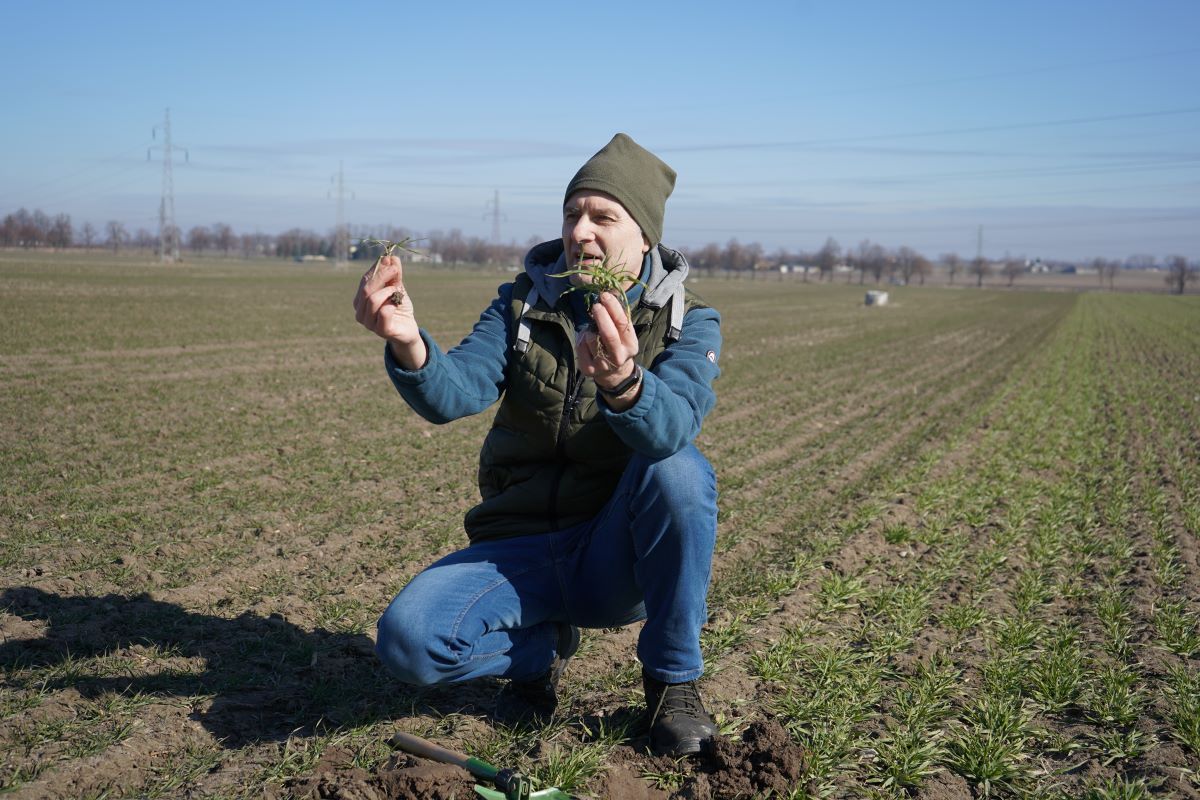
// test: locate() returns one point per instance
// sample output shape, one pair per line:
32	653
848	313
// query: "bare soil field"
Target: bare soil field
957	554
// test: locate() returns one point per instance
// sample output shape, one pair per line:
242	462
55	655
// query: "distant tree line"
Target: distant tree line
868	259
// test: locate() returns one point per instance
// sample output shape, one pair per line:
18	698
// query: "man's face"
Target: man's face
594	226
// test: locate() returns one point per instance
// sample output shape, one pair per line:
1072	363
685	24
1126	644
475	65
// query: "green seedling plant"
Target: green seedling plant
390	248
608	276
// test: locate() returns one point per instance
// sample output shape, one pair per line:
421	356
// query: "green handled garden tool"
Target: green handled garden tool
512	785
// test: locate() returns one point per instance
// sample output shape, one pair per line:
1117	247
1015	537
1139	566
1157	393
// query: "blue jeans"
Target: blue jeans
495	608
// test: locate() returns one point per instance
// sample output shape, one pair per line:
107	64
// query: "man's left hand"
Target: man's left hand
606	355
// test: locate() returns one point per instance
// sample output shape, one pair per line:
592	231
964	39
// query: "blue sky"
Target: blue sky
1066	129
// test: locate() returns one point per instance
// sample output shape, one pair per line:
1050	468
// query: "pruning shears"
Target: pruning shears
511	784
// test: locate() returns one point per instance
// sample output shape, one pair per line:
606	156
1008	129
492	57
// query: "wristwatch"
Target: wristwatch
625	385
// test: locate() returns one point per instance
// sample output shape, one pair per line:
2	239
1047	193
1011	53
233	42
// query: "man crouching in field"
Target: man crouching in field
597	510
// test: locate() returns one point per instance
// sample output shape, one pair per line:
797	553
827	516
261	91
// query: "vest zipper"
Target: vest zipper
574	390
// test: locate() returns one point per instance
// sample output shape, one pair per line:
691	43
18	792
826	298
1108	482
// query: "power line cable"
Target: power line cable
801	143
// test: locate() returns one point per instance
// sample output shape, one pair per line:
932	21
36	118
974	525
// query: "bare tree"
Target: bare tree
88	234
781	260
1106	270
753	258
923	268
879	261
454	247
906	263
144	240
480	251
1112	268
827	257
1012	268
25	229
199	239
862	260
61	233
709	257
222	237
980	268
117	235
1180	274
953	265
249	245
733	255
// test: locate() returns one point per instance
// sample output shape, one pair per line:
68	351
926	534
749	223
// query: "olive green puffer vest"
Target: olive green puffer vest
550	460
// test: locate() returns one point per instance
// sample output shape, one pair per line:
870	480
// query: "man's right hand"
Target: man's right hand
376	310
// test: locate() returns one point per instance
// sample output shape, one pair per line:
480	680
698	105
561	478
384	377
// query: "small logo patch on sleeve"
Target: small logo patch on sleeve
712	356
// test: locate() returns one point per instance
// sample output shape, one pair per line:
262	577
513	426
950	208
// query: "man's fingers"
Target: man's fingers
615	332
386	271
616	310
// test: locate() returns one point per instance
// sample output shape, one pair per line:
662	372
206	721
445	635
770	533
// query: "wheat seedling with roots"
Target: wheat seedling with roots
604	278
388	249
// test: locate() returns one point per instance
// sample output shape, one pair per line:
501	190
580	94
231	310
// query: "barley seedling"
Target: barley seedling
1176	627
753	609
907	756
1183	710
960	619
1055	678
13	777
568	768
1003	673
775	664
297	756
1030	592
1119	788
389	248
667	779
609	276
897	534
975	516
1113	611
1113	696
988	748
1018	633
1120	743
182	769
717	640
1191	517
990	560
839	592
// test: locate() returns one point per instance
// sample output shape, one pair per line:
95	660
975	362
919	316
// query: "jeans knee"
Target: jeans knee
408	648
685	479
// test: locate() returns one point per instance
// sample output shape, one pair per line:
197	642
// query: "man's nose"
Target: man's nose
582	231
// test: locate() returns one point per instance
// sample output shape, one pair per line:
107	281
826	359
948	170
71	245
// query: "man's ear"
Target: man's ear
645	244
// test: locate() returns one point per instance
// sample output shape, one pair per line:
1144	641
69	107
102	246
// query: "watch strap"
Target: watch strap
625	385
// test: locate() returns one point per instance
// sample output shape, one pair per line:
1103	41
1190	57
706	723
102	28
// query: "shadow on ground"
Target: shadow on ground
263	679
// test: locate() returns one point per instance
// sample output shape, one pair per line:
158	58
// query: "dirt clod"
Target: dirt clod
400	779
765	760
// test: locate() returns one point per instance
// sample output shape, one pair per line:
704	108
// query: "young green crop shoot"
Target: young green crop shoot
389	248
606	276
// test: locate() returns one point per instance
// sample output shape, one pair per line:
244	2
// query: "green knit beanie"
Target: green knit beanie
637	178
